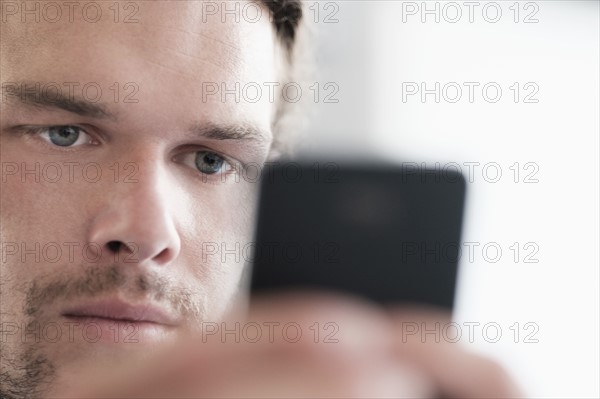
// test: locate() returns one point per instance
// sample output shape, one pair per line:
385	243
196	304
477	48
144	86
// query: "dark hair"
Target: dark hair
287	15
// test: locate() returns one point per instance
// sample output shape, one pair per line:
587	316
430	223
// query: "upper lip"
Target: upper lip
116	309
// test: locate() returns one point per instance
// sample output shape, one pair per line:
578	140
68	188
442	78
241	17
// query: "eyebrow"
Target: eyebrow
52	95
213	131
35	94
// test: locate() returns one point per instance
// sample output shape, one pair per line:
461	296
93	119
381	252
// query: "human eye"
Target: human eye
65	136
208	163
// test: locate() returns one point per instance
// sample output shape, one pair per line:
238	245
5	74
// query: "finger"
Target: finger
355	363
456	372
339	325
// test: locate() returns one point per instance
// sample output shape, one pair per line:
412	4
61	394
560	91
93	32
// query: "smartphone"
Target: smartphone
387	233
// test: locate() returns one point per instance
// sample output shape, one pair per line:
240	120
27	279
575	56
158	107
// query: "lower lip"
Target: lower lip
111	331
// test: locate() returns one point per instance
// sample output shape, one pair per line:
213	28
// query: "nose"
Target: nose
134	223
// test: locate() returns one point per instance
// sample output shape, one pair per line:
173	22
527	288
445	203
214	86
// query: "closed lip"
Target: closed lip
118	310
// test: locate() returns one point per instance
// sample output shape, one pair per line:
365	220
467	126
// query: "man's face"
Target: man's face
125	198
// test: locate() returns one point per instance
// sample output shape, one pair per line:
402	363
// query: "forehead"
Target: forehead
168	49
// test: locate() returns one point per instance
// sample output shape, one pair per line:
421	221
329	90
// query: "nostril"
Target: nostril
114	246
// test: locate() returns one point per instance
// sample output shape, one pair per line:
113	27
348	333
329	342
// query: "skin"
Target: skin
161	203
151	224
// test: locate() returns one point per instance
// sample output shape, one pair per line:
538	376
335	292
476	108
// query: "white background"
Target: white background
370	51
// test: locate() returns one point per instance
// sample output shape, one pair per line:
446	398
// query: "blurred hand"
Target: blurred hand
362	352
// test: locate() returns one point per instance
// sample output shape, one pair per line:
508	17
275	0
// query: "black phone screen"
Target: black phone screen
388	233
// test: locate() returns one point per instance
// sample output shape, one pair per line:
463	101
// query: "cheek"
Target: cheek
223	213
22	234
33	237
40	219
217	240
37	209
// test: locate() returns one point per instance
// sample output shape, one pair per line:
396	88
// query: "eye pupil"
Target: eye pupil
208	162
63	136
